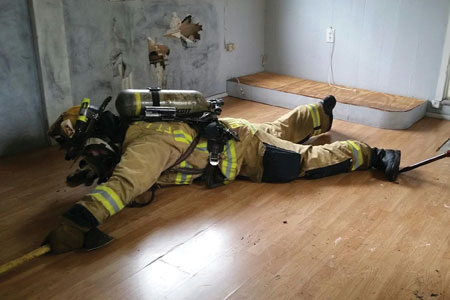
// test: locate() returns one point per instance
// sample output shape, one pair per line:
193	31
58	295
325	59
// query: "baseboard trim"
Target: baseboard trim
438	116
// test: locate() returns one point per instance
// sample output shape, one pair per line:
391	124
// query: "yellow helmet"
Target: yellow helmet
70	130
63	128
93	134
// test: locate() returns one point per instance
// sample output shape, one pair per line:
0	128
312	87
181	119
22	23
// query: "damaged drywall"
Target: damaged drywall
158	56
109	40
97	31
120	71
187	30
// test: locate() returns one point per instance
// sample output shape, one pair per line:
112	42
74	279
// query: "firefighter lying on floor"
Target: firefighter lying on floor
152	153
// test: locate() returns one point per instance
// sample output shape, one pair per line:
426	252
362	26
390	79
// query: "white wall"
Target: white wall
392	46
243	26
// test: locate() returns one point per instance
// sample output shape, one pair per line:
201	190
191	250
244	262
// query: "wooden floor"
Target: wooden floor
315	89
350	236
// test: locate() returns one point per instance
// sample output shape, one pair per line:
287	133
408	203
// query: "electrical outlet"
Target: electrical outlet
436	103
229	47
330	35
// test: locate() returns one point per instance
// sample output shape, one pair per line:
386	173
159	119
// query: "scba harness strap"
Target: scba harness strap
218	136
193	109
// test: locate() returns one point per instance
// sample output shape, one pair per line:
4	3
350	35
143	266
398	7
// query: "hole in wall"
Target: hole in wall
158	56
187	30
157	53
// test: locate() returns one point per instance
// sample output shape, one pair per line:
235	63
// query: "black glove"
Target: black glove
77	230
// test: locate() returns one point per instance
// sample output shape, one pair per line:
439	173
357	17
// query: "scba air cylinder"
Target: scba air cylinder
133	103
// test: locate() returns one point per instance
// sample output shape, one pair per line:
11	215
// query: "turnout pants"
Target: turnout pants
280	158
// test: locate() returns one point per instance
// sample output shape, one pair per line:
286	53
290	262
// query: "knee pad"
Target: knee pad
280	165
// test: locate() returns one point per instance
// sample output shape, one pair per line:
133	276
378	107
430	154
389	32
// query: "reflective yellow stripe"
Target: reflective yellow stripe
248	124
179	177
188	179
313	115
108	198
138	103
181	136
82	118
236	123
360	154
357	154
202	147
229	164
354	155
85	103
113	195
100	198
316	112
183	178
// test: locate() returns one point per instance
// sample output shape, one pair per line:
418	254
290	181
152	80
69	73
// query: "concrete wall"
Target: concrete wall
98	31
392	46
21	121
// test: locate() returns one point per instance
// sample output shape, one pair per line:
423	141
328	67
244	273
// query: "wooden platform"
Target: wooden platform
350	236
385	110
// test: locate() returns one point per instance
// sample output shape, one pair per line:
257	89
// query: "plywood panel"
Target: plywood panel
268	80
315	89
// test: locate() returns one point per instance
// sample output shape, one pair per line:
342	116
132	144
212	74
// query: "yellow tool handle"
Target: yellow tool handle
27	257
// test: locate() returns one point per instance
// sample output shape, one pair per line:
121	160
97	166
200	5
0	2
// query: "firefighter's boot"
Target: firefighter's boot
328	104
388	161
